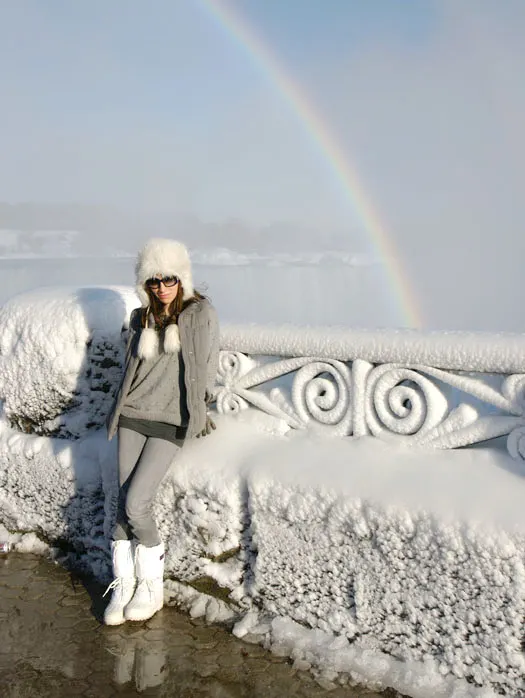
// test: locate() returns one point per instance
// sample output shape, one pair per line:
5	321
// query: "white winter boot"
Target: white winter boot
123	584
149	594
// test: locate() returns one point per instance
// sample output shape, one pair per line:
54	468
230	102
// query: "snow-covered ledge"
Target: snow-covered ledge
436	389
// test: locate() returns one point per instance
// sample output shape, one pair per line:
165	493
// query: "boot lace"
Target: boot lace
114	584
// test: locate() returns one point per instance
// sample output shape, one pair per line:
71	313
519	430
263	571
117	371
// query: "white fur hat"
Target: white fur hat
166	257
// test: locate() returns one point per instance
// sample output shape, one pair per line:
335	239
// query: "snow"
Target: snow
468	351
388	569
364	561
75	334
466	483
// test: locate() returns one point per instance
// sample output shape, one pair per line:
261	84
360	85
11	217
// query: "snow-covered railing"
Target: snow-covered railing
433	389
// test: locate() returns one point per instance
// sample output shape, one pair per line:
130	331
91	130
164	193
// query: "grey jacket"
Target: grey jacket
199	340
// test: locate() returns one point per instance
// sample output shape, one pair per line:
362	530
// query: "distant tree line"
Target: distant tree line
106	229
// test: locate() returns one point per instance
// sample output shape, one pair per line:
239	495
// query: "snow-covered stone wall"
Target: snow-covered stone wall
365	559
61	354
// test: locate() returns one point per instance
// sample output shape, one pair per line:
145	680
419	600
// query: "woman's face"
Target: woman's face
164	288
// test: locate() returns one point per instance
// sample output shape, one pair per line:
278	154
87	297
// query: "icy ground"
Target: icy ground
362	561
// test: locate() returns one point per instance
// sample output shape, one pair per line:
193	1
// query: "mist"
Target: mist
132	120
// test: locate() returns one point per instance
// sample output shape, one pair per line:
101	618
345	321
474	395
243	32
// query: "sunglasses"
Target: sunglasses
168	282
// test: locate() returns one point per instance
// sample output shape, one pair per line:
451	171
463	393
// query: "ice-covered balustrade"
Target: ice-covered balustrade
435	389
363	560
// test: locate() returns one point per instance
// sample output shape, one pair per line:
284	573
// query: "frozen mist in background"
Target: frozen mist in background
425	105
269	275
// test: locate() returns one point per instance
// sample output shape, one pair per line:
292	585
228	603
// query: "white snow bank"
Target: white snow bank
483	486
402	582
364	666
60	357
387	564
54	488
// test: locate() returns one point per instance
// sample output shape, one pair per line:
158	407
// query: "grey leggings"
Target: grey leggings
143	462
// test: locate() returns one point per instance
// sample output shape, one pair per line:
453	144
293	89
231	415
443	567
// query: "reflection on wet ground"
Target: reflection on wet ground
52	645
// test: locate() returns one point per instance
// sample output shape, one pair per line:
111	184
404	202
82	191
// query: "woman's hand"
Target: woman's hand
210	426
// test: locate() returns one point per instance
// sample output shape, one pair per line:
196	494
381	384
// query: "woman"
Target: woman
171	365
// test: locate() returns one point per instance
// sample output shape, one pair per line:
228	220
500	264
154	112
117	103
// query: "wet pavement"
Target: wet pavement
53	644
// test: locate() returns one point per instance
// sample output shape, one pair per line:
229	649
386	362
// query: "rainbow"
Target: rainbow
236	28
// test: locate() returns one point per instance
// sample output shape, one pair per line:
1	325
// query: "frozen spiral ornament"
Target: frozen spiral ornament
229	402
400	401
513	389
232	366
516	443
321	393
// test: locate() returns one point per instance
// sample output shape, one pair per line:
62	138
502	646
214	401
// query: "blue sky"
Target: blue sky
168	64
152	105
126	52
